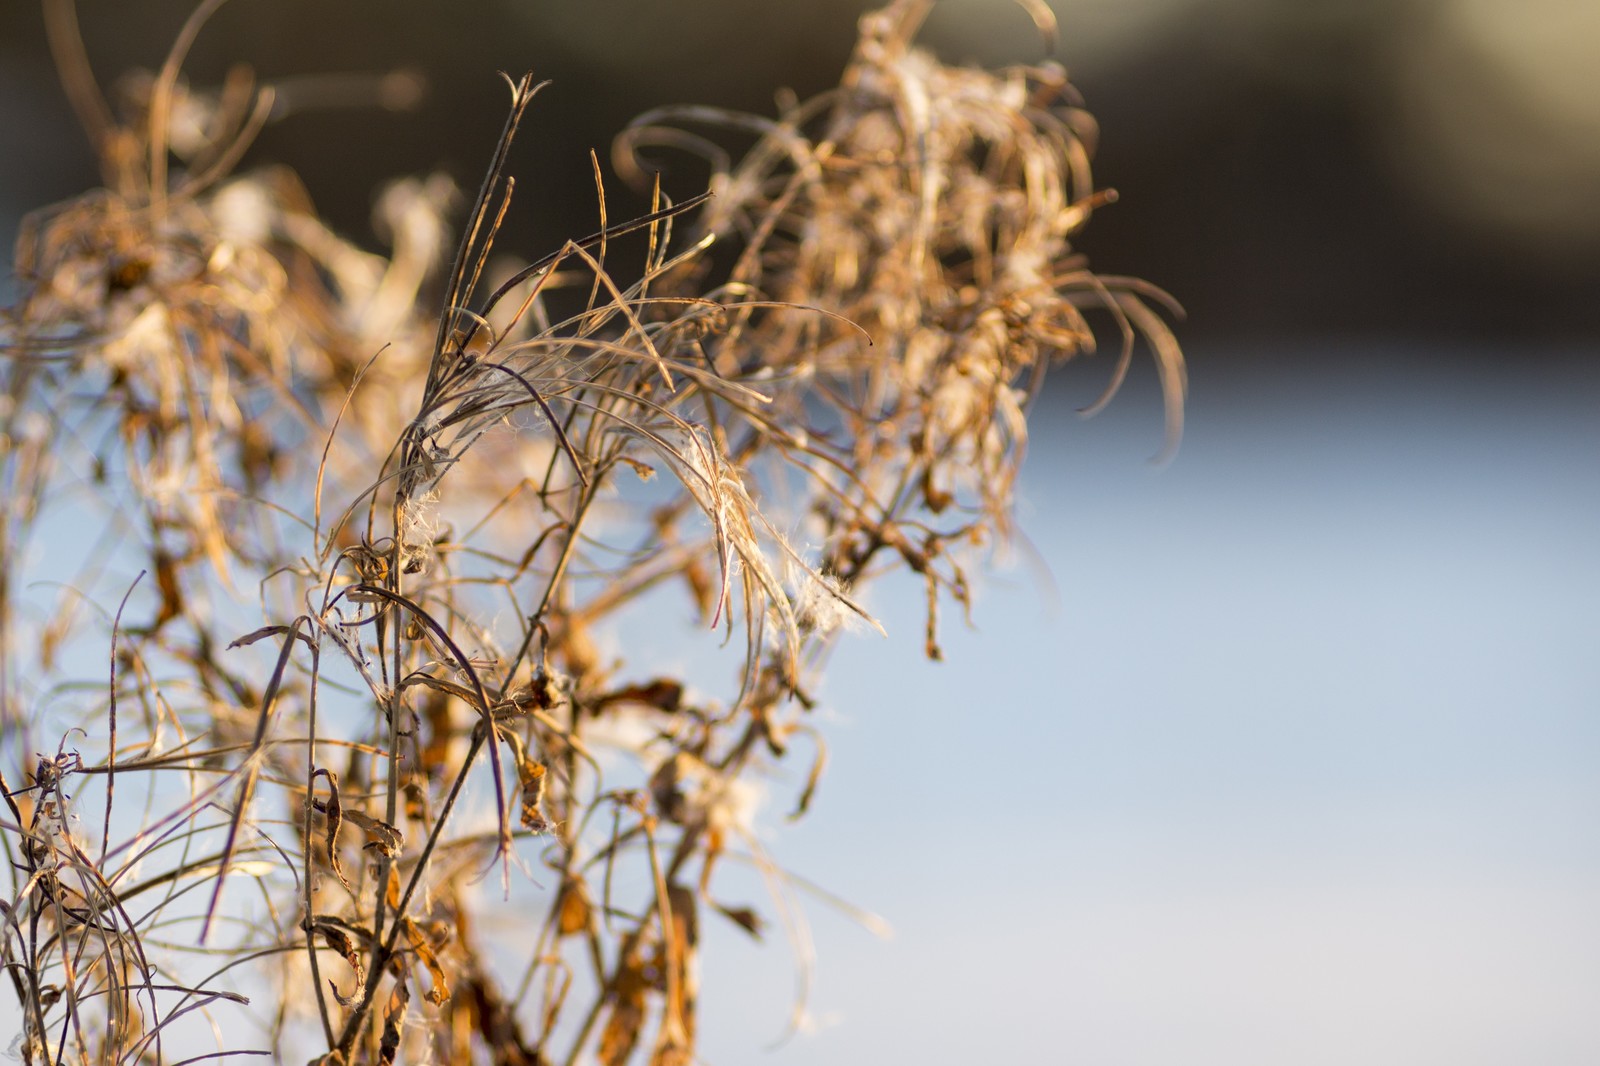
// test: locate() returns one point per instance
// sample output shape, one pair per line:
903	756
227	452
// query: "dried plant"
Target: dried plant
357	709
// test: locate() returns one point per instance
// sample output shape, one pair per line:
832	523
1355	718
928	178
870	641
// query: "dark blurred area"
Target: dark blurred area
1406	170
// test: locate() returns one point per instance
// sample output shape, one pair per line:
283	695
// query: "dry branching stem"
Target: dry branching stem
424	488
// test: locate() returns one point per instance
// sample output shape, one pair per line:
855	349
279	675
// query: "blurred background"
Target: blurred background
1283	752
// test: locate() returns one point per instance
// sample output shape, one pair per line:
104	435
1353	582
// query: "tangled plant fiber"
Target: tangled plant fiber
368	555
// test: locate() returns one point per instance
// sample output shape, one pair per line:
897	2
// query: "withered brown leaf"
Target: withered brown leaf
381	836
333	815
531	774
394	1017
419	944
745	918
339	940
575	910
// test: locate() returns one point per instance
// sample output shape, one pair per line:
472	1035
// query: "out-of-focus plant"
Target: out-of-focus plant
382	545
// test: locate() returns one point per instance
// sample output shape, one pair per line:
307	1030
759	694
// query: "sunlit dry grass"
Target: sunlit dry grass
363	692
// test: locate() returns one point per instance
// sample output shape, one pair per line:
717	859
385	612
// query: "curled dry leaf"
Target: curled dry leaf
531	775
340	941
440	990
381	836
394	1016
333	819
